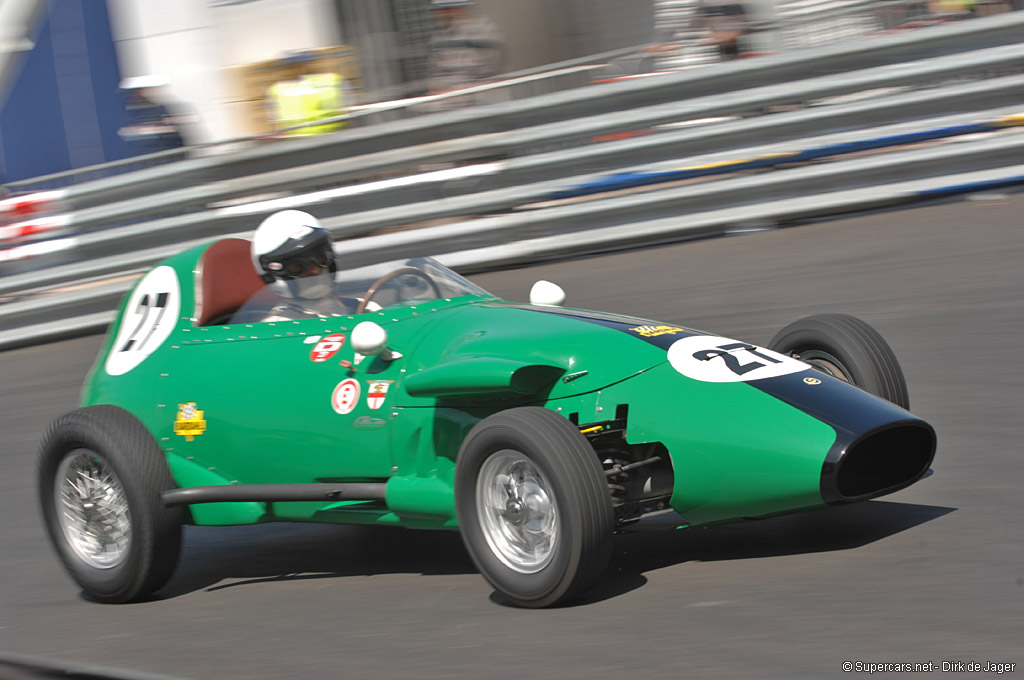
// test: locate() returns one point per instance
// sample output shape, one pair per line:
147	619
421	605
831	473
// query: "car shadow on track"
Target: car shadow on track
662	541
216	558
278	552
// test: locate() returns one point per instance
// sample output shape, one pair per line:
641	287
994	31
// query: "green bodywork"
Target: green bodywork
735	450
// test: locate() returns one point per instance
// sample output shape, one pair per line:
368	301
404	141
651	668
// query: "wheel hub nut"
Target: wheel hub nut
514	511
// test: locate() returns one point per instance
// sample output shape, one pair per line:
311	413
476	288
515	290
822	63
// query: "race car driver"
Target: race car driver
293	254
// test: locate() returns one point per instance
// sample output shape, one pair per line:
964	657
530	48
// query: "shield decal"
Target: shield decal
377	394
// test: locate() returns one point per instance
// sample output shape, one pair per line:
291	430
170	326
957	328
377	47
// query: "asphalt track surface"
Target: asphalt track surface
933	573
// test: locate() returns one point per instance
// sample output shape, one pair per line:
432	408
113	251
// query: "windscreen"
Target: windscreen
355	291
403	282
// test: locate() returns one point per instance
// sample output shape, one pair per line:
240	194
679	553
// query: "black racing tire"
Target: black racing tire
118	471
847	348
546	486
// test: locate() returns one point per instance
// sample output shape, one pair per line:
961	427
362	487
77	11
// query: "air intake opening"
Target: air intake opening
885	461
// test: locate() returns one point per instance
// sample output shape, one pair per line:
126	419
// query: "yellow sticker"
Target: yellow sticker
189	423
1010	121
812	381
654	331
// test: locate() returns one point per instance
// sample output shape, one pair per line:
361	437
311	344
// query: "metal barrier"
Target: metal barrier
553	78
532	160
222	163
564	162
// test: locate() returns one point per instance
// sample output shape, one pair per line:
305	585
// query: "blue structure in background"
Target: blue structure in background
64	108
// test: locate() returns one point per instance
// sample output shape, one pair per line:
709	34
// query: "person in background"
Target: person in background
151	124
724	22
310	98
466	48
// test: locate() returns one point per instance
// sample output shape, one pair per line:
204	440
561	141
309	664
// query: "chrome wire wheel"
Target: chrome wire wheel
92	509
518	512
100	477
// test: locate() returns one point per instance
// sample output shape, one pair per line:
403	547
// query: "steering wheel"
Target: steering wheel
387	277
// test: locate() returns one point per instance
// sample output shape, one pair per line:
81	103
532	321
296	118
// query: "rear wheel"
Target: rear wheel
100	478
847	348
533	506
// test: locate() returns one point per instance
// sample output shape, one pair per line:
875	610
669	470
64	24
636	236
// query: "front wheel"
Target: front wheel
100	478
847	348
533	506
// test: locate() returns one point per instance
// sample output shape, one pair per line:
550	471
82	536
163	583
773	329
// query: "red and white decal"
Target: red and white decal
377	394
31	204
326	348
30	228
345	396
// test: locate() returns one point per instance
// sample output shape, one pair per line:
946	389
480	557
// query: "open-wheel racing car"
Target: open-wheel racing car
534	429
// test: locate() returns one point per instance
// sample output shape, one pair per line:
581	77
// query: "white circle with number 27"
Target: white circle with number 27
710	358
147	320
345	396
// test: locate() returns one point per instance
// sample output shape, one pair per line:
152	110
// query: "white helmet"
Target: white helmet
292	247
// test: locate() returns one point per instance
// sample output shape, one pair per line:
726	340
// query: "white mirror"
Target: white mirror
370	339
547	293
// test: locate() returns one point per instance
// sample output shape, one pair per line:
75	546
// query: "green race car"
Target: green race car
534	429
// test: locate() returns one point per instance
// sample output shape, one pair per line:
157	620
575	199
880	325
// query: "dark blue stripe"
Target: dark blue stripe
635	179
849	410
968	187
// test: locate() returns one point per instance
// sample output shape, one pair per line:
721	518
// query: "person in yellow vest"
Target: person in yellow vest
952	9
307	100
154	122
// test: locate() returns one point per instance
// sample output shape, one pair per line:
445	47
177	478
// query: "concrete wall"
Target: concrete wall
539	32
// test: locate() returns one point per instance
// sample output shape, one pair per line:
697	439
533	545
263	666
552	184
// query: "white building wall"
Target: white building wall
263	29
189	41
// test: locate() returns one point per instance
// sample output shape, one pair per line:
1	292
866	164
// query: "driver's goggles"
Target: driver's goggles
297	267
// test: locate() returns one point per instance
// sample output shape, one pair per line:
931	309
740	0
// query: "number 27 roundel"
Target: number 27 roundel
710	358
147	321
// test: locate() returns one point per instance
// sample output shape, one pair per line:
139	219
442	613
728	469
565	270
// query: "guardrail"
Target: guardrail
552	78
670	89
540	150
518	144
